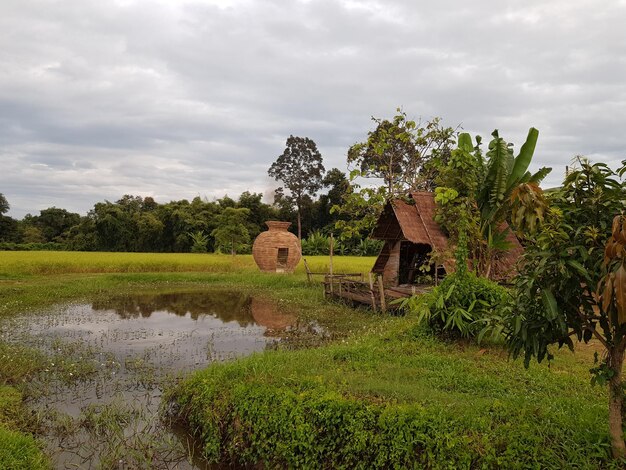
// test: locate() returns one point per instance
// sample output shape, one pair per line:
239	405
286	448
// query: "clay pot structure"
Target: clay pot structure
277	250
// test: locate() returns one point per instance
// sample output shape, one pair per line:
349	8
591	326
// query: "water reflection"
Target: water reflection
224	305
131	345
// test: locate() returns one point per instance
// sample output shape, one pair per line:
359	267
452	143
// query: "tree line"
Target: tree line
135	223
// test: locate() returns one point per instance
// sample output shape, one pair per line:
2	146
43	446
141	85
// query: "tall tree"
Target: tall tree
403	154
337	184
301	170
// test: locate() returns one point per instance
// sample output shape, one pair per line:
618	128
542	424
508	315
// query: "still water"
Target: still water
99	397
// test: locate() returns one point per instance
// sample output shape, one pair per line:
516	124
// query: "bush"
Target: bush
49	246
316	244
460	304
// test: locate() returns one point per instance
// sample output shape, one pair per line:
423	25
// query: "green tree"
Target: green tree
9	228
231	232
301	170
399	152
337	183
260	212
572	283
55	222
4	204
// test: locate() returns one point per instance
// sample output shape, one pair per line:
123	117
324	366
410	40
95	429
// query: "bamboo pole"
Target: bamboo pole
308	271
381	290
371	278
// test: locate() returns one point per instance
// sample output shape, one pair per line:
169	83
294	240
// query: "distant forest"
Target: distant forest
138	224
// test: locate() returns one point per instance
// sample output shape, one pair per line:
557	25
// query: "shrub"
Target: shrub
459	305
49	246
316	244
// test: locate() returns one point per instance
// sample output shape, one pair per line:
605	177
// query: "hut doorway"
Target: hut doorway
413	258
281	260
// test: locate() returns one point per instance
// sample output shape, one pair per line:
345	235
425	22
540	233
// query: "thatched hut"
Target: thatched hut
410	234
277	250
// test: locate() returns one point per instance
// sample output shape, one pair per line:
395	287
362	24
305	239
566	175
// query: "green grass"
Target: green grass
16	264
31	281
398	398
383	394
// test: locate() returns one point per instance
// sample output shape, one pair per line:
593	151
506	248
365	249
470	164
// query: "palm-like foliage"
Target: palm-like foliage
488	191
505	175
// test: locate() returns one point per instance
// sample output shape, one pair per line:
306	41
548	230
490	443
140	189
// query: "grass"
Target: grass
15	265
383	394
31	281
396	397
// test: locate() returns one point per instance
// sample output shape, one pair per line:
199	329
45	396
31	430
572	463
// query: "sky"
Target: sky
177	99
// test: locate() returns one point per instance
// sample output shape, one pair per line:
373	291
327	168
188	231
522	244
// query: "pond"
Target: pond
108	362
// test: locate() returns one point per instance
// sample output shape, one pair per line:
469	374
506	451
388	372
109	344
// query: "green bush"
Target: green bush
316	244
49	246
459	305
402	401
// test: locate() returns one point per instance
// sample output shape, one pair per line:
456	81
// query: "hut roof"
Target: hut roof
416	223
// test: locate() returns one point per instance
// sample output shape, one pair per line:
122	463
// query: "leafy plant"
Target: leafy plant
458	304
231	233
316	244
573	281
200	241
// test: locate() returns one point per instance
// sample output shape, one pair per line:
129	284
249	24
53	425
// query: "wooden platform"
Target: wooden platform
352	288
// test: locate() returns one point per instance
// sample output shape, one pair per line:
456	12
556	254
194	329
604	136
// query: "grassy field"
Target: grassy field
32	281
384	394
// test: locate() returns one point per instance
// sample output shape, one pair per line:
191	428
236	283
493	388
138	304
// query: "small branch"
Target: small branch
601	339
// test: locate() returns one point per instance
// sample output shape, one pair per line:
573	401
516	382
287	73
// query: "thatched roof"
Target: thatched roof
416	223
412	222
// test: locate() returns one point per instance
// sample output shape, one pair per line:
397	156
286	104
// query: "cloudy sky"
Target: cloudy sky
175	99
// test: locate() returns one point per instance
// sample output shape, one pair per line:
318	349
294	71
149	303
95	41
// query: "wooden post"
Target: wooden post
340	284
332	243
308	271
372	291
381	290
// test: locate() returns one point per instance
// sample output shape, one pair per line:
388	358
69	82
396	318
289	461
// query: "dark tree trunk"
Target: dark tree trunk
616	402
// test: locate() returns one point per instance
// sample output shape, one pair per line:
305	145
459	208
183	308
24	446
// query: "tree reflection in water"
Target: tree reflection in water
226	305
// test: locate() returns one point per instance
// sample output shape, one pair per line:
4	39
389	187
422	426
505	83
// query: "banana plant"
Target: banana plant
504	175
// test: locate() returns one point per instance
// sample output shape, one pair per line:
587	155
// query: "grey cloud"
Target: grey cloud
176	99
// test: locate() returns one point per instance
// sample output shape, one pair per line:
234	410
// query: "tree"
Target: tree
338	186
231	231
4	204
300	169
399	152
8	225
54	222
260	212
572	282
